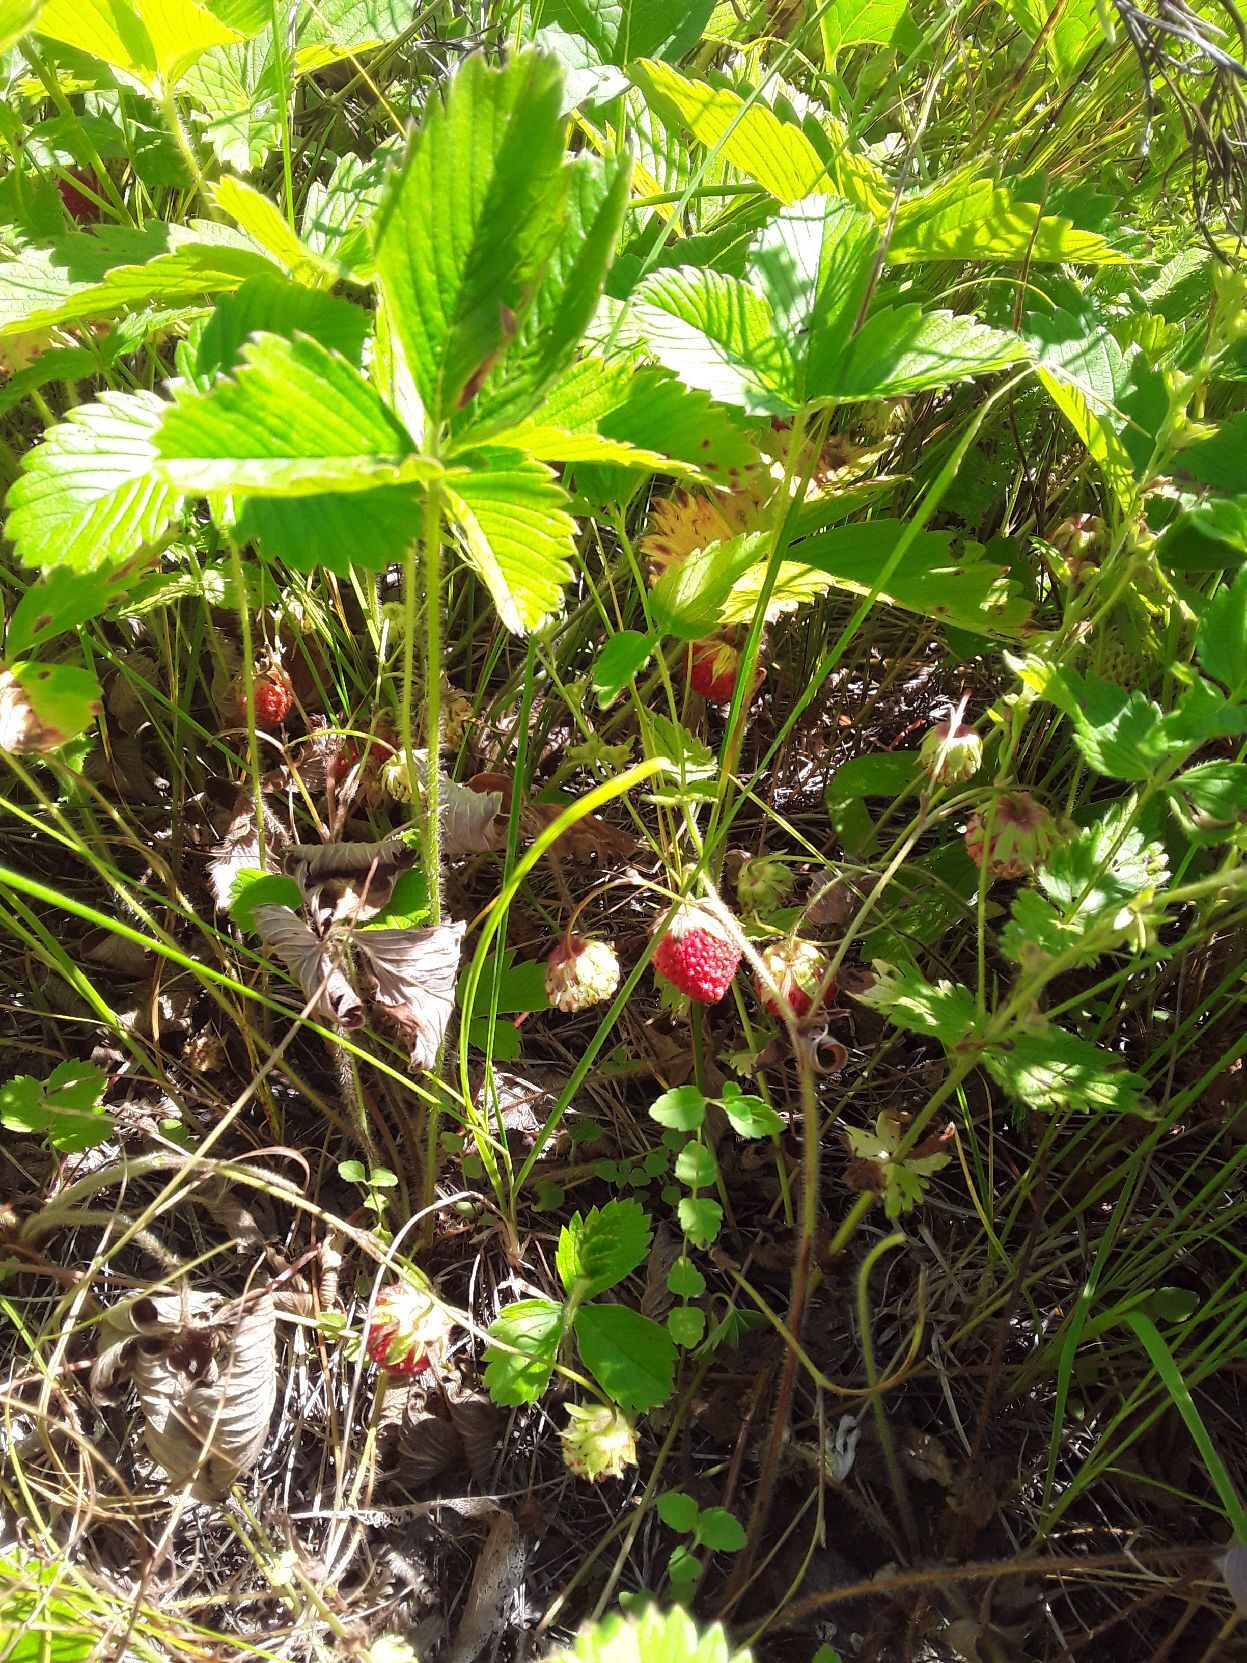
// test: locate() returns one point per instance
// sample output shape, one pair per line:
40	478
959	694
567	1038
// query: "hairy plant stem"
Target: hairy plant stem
284	101
801	1279
177	127
238	579
431	543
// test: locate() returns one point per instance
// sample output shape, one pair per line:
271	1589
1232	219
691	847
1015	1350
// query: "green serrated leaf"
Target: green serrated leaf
902	349
471	218
1037	929
1051	1069
652	1636
567	294
506	987
533	1328
1103	867
750	136
515	531
333	531
683	1569
1120	734
700	1219
972	594
945	1010
1114	400
751	1117
1217	790
598	1249
264	223
155	41
58	602
43	706
624	656
717	334
16	18
814	262
294	420
693	763
631	1358
688	599
960	219
89	495
104	273
683	1108
659	413
66	1108
1222	639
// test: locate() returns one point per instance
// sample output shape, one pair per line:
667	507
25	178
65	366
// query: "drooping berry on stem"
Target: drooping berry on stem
697	955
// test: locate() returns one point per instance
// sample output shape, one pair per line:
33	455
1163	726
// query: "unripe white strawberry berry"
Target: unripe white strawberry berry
598	1441
580	973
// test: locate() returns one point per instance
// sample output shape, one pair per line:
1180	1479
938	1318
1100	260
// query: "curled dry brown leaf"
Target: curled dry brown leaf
414	972
205	1372
313	963
496	1578
348	881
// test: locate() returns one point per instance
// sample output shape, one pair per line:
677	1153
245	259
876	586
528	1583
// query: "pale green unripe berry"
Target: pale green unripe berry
951	752
598	1442
762	883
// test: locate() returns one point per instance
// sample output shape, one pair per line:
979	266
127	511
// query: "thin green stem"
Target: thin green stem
238	578
431	542
186	147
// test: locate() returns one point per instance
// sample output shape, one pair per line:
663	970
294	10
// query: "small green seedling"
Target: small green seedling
630	1356
713	1528
374	1184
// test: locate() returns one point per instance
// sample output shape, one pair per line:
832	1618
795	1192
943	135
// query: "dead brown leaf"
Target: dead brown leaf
415	973
313	964
495	1580
206	1377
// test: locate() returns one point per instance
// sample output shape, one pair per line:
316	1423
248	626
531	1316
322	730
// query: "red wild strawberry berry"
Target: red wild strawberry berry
697	955
409	1331
80	207
798	969
714	665
274	697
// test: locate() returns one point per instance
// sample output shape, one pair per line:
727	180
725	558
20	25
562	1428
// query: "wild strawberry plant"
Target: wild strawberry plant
580	565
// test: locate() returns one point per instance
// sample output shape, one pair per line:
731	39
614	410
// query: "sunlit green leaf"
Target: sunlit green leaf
469	223
630	1356
717	334
599	1248
90	495
532	1327
515	530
